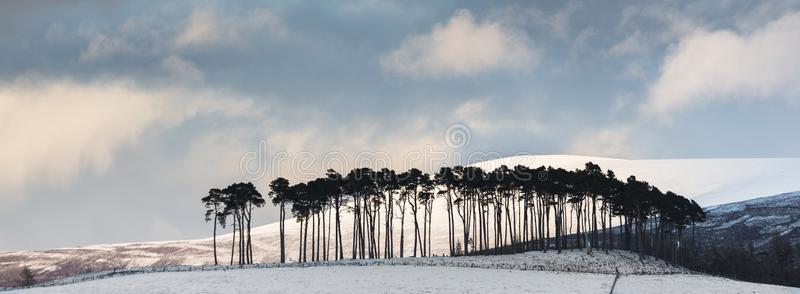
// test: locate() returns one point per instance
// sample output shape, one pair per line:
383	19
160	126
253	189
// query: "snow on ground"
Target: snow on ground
573	261
405	279
572	271
643	284
347	279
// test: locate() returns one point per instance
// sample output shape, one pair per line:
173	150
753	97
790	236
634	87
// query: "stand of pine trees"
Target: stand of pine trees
505	210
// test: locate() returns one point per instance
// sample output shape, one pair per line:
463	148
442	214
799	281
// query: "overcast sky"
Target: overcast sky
117	116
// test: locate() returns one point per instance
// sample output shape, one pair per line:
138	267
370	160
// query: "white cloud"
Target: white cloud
52	130
621	102
137	36
671	24
475	114
207	27
100	46
461	47
635	43
156	36
181	68
648	28
558	21
612	142
724	65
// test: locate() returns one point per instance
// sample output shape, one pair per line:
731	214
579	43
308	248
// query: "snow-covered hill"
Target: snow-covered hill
569	272
710	181
752	222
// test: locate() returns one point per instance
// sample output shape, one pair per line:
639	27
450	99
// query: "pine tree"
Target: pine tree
213	202
280	195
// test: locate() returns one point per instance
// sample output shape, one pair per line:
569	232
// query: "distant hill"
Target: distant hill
753	221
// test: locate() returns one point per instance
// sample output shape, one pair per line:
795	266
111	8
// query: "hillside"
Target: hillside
753	222
571	271
710	181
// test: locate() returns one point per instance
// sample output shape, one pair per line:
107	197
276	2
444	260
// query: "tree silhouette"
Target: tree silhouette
447	181
279	192
240	200
337	201
387	185
301	209
213	202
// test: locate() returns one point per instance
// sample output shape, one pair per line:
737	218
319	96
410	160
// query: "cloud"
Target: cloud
635	43
670	23
712	66
480	115
181	68
558	22
461	47
51	130
206	27
157	36
136	36
101	45
612	142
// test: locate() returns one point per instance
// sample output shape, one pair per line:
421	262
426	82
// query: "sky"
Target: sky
116	117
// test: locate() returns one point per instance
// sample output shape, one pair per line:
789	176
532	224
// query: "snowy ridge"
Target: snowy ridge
780	199
752	222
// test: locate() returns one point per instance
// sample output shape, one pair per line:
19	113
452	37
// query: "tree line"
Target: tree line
504	210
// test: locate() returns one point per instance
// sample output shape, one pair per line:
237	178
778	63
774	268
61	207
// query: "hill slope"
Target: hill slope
571	271
753	221
710	181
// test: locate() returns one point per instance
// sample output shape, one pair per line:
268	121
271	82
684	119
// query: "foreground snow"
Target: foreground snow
570	272
347	279
643	284
405	279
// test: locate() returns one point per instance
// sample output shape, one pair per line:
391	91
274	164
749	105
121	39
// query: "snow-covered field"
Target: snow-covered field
347	279
406	279
644	284
710	181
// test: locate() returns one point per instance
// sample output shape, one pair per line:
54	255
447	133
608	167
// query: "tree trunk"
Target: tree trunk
305	240
300	243
402	229
215	238
283	234
233	240
314	231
